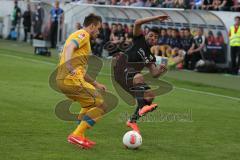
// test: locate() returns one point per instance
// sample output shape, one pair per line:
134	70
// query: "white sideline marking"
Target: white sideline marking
207	93
29	59
184	89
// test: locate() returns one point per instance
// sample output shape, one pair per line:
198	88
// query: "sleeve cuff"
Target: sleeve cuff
75	42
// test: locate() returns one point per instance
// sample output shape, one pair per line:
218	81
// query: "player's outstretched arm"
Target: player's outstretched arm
138	23
157	71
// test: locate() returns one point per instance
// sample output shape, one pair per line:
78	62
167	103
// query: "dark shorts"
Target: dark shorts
124	74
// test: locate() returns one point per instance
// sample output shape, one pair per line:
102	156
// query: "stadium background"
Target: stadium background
208	103
211	21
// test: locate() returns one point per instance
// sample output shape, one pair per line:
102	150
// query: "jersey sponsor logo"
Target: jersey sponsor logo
141	52
81	36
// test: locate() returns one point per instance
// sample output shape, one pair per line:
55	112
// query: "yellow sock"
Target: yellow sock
88	121
81	128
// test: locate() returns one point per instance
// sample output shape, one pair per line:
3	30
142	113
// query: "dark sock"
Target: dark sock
135	116
139	90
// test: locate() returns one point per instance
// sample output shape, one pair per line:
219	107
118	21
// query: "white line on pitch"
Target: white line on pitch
29	59
208	93
185	89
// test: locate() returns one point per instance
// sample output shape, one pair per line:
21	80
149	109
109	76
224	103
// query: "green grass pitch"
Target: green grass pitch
29	129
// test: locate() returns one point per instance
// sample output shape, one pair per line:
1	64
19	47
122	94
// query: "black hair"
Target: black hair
201	28
187	29
210	33
219	33
237	17
154	30
92	19
146	27
175	29
183	29
105	23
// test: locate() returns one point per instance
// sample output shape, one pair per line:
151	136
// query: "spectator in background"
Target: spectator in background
128	37
113	32
97	44
139	3
219	40
102	2
195	54
181	33
125	28
56	21
130	28
148	3
225	5
129	34
37	21
169	31
236	5
151	3
159	3
163	39
15	18
169	34
120	32
188	45
86	1
196	4
106	33
113	28
210	38
178	3
215	5
113	2
206	4
131	2
163	42
188	40
234	36
168	3
174	43
194	31
16	15
124	3
146	30
115	38
188	4
222	5
27	22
